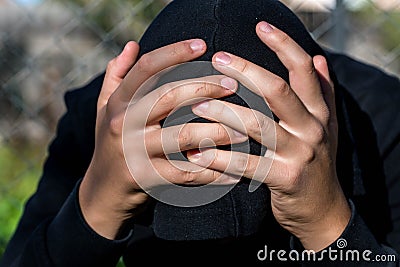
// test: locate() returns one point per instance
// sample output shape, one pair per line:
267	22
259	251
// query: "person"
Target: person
331	185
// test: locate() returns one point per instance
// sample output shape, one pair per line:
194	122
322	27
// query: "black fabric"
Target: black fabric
375	119
370	255
369	131
371	98
69	229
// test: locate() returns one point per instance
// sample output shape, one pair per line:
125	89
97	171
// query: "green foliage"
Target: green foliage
388	24
391	30
120	264
19	173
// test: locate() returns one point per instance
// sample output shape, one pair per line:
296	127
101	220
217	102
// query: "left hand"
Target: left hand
306	196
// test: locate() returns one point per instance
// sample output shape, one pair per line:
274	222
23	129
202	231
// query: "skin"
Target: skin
108	195
306	196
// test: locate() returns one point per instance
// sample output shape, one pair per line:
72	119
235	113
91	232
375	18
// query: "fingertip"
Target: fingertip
200	108
193	154
131	48
321	65
271	36
319	61
197	45
265	27
229	84
125	60
203	157
222	58
131	45
196	156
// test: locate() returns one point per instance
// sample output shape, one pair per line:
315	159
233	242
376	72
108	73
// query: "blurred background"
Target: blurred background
50	46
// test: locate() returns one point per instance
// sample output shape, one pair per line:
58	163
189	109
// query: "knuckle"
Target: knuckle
180	50
259	125
174	51
185	138
265	126
189	177
307	64
308	154
293	175
115	125
215	176
318	134
214	160
145	63
251	168
208	88
281	88
243	66
199	88
240	164
167	98
220	134
253	126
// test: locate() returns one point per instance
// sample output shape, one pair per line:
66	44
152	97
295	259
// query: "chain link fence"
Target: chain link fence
50	46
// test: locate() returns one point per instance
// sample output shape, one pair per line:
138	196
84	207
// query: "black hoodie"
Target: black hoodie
240	225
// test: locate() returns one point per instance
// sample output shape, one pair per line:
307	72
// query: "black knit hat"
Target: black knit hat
228	25
225	25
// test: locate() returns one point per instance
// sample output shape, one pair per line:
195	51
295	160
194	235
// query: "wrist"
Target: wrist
97	213
105	210
323	232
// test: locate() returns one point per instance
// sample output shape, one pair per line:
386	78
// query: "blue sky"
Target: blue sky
27	2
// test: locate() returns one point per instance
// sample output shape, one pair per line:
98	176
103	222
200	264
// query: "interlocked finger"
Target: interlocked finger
190	136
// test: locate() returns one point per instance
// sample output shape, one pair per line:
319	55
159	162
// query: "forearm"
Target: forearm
67	240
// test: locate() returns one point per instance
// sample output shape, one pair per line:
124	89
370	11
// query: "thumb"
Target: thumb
117	68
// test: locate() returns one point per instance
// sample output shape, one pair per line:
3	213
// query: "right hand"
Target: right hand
109	195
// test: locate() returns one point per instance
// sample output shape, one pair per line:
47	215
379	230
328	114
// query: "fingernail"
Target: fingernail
201	107
196	45
229	83
195	156
238	135
266	27
223	58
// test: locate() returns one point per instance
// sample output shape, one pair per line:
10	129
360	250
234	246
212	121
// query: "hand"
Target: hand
109	195
306	196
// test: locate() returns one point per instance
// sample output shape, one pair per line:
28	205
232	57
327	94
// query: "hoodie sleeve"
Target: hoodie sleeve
51	231
67	240
357	246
